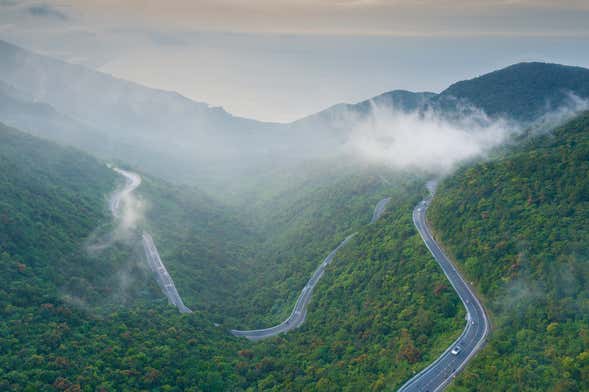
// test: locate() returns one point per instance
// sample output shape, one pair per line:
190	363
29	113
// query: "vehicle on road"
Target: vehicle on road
436	377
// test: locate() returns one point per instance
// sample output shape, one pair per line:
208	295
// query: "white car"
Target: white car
456	350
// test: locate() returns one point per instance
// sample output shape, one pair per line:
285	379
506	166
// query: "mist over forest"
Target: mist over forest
411	241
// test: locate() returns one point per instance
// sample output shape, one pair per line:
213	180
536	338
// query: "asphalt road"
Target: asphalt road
133	180
379	209
163	278
441	372
299	312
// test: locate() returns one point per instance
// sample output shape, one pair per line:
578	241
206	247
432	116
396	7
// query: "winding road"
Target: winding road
433	378
438	374
163	278
133	180
379	209
299	312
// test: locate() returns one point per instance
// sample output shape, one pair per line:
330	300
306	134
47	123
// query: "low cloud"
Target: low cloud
572	106
127	209
437	142
128	212
425	140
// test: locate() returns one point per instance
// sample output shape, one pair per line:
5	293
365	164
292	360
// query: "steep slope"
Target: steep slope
51	199
189	142
245	266
519	227
88	96
382	311
523	92
62	325
206	247
20	110
337	121
70	321
340	114
137	122
298	226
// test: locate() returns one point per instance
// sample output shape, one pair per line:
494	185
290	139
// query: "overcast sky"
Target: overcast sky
280	60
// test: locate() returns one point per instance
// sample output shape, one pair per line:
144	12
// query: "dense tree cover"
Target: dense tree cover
205	246
382	311
57	346
521	91
50	199
70	320
299	227
519	227
73	321
246	264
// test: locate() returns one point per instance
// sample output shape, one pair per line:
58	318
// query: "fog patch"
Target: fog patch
118	241
128	212
127	209
425	140
519	293
571	107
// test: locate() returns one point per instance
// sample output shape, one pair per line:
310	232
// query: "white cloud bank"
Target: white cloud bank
425	141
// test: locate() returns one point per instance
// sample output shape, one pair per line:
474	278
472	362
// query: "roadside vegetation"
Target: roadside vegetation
519	227
383	311
71	320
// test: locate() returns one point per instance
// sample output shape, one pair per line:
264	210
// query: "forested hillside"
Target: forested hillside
246	266
51	199
75	316
519	227
523	92
77	321
383	311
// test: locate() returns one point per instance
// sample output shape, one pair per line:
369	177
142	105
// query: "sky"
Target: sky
278	60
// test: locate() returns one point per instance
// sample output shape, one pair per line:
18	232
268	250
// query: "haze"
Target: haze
280	61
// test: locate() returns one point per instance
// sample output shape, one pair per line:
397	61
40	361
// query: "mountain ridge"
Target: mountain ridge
522	91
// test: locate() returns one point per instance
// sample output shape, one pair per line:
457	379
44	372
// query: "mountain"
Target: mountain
108	103
164	133
192	143
135	123
519	228
522	92
337	121
52	199
403	100
74	321
19	110
68	320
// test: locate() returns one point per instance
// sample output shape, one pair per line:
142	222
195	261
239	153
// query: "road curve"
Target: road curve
438	374
299	312
163	278
379	209
133	180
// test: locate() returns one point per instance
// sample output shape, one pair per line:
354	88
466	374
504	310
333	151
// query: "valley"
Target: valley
189	262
